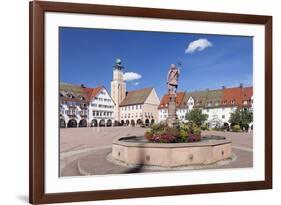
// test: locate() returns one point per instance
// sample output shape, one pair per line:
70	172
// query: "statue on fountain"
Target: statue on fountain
172	84
172	79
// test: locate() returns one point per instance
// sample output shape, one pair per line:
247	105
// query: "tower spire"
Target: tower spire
118	64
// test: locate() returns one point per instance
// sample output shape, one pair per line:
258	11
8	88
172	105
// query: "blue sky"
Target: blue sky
87	56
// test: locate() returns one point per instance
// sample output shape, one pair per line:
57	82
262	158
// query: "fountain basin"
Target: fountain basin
137	151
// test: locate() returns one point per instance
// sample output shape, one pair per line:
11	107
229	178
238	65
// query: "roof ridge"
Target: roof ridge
141	89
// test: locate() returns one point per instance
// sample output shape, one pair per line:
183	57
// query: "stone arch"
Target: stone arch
139	121
94	123
102	123
109	123
72	123
122	122
152	121
245	127
83	123
226	126
116	123
147	122
62	123
127	122
133	122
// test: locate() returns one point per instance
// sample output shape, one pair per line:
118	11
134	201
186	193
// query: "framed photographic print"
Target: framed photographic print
139	102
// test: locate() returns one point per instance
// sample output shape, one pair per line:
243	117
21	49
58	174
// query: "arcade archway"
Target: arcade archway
94	123
102	123
72	123
83	123
108	123
62	123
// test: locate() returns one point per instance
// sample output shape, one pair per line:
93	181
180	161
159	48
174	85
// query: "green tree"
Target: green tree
196	116
242	118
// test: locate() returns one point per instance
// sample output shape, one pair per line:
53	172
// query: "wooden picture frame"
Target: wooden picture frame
37	193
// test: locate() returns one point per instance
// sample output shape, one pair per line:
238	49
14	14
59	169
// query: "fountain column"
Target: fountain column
172	116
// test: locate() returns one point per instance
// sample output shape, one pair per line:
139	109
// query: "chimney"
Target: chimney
241	85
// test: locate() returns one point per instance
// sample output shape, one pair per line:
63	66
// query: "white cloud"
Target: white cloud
135	83
198	45
130	76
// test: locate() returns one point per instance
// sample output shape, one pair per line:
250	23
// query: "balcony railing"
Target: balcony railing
72	115
72	106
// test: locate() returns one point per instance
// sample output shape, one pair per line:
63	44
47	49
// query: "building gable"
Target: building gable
152	98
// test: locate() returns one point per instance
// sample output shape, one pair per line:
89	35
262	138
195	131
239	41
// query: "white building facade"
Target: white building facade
84	107
140	107
102	109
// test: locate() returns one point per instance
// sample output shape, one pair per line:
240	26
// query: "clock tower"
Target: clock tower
118	87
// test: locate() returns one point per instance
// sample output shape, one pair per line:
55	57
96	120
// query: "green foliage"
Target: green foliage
158	127
184	127
182	137
242	118
236	128
204	127
197	131
196	116
171	131
148	135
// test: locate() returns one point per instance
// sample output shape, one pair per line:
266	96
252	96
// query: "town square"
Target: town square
120	126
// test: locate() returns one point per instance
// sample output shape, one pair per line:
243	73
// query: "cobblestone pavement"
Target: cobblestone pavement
85	151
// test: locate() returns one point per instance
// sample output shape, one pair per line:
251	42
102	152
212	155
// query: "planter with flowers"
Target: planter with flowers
185	132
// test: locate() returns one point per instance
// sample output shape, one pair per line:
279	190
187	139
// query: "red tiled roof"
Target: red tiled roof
236	96
213	98
179	100
91	92
247	93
